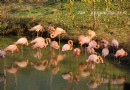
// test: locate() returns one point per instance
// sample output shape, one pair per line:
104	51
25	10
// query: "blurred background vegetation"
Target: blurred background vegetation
108	18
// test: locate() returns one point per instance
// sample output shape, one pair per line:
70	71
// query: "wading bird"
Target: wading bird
11	48
22	41
37	28
41	44
94	58
2	53
91	33
38	39
54	45
68	46
105	52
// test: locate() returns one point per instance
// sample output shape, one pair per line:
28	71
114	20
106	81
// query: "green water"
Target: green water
31	79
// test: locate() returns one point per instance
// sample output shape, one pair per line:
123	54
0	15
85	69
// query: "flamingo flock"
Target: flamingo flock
41	43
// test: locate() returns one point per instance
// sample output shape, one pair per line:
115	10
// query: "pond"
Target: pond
105	76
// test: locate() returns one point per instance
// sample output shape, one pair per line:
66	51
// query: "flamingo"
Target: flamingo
93	44
2	53
91	33
54	45
84	40
120	53
38	39
91	50
22	64
94	58
51	28
41	44
80	37
105	42
76	52
105	52
56	32
11	48
114	44
22	41
37	28
68	46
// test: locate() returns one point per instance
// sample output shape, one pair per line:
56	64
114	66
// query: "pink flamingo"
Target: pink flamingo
121	53
76	52
68	46
22	41
105	52
105	42
57	32
37	28
80	37
41	44
54	45
2	53
11	48
60	57
51	28
55	70
84	40
94	58
38	39
114	44
91	50
93	44
91	33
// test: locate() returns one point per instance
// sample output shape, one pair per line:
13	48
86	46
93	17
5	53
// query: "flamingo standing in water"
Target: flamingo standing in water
41	44
38	39
56	32
68	46
94	58
11	48
91	50
37	28
120	53
93	44
54	45
22	41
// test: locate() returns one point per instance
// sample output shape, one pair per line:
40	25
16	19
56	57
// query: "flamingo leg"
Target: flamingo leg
59	44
